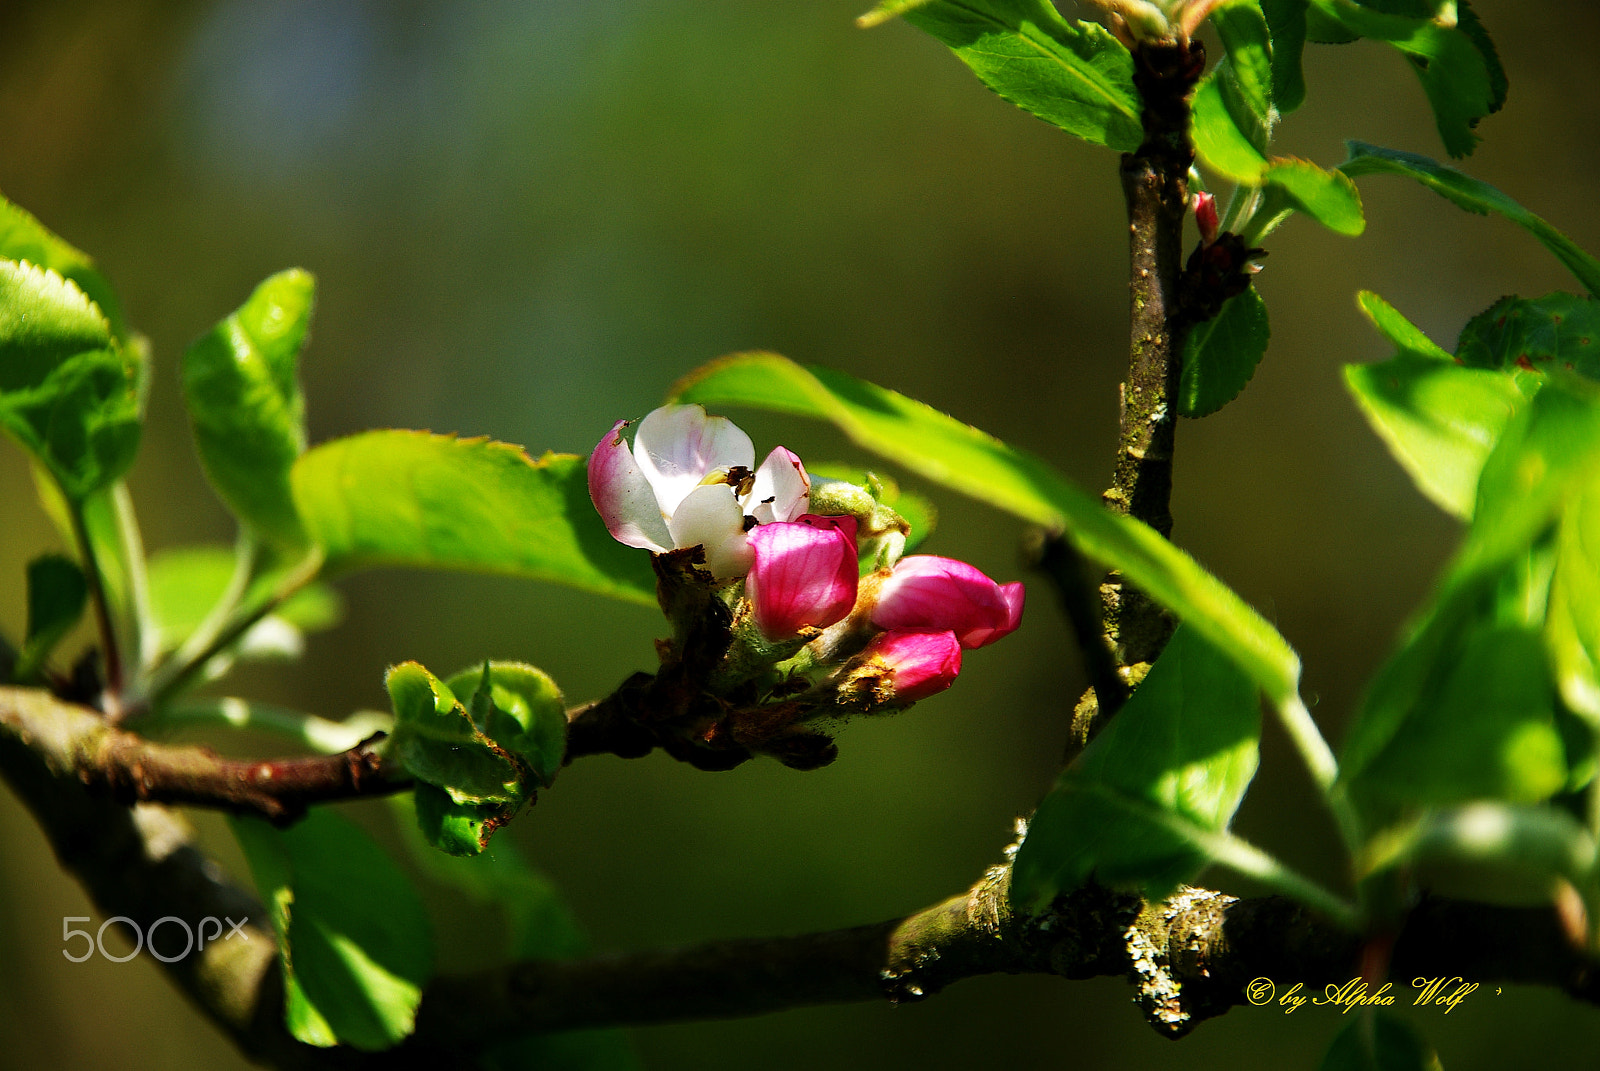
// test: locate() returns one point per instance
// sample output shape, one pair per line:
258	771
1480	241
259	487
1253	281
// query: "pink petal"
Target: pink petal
922	661
1011	595
928	592
709	516
678	445
623	496
805	573
1205	217
781	491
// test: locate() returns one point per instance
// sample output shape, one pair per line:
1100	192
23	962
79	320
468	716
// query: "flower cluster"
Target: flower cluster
783	554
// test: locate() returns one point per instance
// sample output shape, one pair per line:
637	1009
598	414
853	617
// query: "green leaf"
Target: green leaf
1186	744
22	237
538	925
186	583
1529	336
1542	842
456	829
409	498
1220	354
522	711
1465	708
1329	197
1286	22
1474	196
1074	75
1458	69
353	938
245	405
69	393
1438	419
1243	29
1227	141
1378	1041
948	452
1573	627
57	597
437	742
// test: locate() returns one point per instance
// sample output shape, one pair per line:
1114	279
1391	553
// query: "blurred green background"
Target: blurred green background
529	216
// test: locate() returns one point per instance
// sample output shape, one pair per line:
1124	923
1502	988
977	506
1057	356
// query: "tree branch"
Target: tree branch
140	863
131	769
1191	959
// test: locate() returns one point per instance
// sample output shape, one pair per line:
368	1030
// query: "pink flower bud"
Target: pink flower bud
1205	217
919	662
804	574
928	592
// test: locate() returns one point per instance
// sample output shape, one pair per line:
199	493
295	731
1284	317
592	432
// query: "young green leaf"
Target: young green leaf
1376	1041
69	392
1438	419
354	940
1542	842
1227	138
1247	39
1458	69
243	395
1220	354
961	457
437	742
57	597
1185	744
23	237
409	498
1286	24
521	711
1474	196
1329	197
1074	75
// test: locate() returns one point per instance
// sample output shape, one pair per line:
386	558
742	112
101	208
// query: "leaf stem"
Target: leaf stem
104	622
143	620
318	733
178	673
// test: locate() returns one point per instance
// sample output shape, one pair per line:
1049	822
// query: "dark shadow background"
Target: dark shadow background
528	218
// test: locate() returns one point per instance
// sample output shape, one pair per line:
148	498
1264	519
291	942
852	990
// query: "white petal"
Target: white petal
677	445
710	515
623	496
781	491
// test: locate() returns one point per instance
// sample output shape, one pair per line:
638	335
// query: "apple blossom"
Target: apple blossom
919	663
688	482
928	592
805	573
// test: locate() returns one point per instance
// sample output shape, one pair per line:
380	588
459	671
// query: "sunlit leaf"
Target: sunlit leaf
1474	196
354	939
1185	743
961	457
186	583
22	237
1226	139
410	498
69	392
1074	75
1329	197
241	387
1243	29
1438	419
